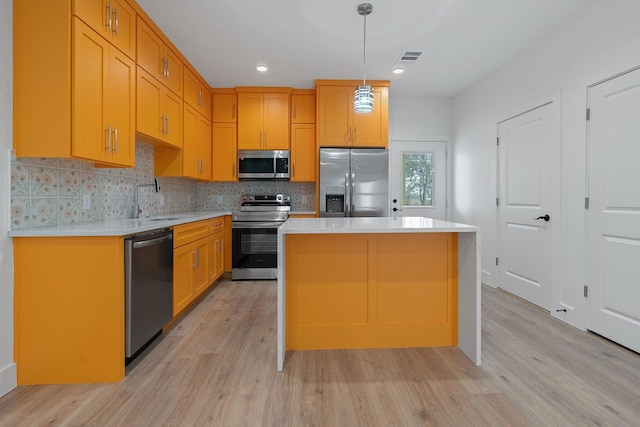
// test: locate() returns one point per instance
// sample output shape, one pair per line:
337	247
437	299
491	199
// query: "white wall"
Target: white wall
418	119
601	41
7	367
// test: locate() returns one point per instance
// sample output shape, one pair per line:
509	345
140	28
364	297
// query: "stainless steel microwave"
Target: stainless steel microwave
263	164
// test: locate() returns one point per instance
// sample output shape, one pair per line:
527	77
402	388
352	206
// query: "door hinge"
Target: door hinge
498	140
586	203
497	262
586	291
497	201
588	113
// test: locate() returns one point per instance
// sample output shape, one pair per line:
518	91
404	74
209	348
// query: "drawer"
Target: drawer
216	225
185	233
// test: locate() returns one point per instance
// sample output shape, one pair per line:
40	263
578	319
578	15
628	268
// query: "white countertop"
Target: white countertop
411	224
116	227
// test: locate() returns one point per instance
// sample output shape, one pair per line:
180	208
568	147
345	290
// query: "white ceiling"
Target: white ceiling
304	40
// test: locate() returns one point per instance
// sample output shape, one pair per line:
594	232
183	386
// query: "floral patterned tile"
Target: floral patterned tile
70	183
91	183
115	208
69	210
73	164
44	182
45	162
44	211
20	213
20	179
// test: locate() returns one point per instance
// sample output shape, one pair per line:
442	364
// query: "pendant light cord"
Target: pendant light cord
364	52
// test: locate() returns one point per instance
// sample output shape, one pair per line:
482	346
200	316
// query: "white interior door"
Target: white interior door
613	217
418	178
526	170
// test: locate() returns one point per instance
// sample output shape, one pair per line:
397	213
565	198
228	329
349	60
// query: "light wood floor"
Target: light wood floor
216	367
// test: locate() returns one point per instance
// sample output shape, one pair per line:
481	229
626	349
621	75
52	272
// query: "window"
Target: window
417	176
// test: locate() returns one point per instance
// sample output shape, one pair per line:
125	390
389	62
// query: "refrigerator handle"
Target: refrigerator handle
353	190
347	195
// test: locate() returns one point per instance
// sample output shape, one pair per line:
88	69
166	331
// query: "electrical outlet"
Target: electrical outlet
86	201
219	200
303	199
161	200
188	200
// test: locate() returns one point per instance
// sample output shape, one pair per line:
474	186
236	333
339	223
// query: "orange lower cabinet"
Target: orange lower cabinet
69	309
371	290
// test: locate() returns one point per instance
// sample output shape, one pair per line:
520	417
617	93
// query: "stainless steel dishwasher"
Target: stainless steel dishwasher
148	287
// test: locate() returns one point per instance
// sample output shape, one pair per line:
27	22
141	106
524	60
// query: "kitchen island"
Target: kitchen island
380	282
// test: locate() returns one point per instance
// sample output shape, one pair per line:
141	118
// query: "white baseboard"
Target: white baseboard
8	378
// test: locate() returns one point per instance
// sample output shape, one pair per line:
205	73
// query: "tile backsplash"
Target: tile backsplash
50	191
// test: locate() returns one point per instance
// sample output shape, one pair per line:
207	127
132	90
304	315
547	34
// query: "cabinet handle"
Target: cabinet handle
355	134
200	166
115	140
260	145
195	262
108	147
233	170
162	124
167	126
108	20
117	22
265	139
167	61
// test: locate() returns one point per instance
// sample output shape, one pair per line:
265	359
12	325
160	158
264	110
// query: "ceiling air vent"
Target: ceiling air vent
409	57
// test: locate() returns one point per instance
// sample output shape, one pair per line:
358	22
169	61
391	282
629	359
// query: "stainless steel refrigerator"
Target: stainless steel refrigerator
354	182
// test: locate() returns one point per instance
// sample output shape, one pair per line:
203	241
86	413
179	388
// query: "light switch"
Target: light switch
219	200
86	201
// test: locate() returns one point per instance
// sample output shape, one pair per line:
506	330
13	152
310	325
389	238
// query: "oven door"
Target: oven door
255	250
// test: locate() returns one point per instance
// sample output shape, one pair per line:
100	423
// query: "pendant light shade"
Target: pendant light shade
363	99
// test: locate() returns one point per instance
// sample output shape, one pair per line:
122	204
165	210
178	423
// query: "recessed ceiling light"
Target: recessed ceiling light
262	68
398	70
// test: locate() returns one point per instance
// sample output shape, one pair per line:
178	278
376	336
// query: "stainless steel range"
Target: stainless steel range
255	232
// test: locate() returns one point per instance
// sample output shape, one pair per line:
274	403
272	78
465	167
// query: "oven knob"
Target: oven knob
279	197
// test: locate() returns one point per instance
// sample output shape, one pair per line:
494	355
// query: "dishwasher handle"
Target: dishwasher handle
152	242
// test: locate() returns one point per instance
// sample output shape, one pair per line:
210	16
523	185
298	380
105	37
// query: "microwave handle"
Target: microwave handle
275	164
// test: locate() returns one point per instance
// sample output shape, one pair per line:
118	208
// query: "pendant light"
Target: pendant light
363	100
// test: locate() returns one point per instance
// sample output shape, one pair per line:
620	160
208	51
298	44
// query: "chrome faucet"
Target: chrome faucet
136	207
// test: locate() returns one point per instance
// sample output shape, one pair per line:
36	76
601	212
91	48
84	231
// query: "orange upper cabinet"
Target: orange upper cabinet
113	19
303	152
303	107
103	93
263	120
159	111
73	92
158	59
224	152
196	93
196	153
303	135
225	107
339	125
225	135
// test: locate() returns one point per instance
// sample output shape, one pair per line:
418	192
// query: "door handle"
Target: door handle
545	217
